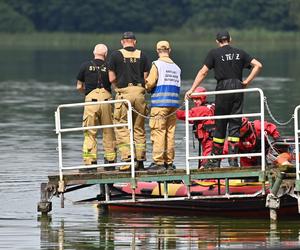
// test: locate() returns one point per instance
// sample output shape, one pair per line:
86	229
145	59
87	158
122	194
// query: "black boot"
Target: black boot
170	166
111	168
139	165
233	148
216	150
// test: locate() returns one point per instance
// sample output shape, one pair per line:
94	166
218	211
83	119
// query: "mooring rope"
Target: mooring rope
272	116
159	117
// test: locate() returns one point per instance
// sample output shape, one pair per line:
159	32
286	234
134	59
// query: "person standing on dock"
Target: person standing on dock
228	64
128	68
164	84
92	80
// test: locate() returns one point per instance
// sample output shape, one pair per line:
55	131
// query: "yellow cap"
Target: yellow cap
163	45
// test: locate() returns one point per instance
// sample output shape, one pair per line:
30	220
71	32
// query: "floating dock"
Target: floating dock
278	191
276	185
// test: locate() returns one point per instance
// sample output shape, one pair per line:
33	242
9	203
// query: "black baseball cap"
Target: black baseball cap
223	35
128	35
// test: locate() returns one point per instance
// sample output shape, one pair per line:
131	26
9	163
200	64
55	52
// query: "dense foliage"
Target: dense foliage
147	15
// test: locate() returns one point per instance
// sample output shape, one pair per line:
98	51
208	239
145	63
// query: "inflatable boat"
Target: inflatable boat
235	207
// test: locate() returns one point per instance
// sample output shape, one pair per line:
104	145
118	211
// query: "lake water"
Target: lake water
34	82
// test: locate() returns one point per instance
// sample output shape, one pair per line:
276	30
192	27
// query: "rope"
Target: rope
272	116
159	117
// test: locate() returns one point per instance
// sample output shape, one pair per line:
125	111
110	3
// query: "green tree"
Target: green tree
12	21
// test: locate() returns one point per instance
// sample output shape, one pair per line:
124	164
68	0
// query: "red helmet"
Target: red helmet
245	127
202	97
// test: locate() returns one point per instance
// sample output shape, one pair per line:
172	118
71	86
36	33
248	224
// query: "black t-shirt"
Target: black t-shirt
129	69
94	74
228	62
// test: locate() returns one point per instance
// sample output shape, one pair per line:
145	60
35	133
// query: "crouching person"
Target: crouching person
250	140
163	83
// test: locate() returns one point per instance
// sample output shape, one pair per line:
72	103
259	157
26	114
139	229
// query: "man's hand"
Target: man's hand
245	84
188	94
80	86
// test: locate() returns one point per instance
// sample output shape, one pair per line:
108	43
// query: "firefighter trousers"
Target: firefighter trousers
136	96
163	134
95	115
228	104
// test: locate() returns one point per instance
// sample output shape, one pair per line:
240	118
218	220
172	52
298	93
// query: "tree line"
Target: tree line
107	16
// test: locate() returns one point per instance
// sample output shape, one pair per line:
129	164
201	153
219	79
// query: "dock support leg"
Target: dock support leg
102	192
227	186
107	192
62	200
272	201
44	206
103	209
165	190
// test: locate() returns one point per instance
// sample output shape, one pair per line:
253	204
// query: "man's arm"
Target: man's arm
112	77
145	75
152	78
80	86
257	66
202	73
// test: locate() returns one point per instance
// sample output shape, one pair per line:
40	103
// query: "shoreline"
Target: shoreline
61	40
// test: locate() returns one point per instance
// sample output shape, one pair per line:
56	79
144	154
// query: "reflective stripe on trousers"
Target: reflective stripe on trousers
98	115
136	96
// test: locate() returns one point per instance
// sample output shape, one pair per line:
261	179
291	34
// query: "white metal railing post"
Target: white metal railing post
261	114
187	137
131	141
262	127
297	131
59	143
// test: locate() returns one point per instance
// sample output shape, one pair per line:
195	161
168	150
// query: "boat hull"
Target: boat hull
254	206
236	207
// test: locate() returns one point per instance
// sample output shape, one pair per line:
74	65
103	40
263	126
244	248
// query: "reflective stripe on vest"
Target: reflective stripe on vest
166	92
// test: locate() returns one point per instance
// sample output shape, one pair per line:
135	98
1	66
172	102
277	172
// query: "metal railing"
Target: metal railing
60	130
297	132
260	114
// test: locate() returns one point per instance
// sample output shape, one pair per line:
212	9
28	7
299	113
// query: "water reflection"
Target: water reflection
140	231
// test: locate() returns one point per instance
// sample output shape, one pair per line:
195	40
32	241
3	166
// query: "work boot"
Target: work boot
139	165
89	170
111	168
170	166
216	150
125	167
233	148
156	168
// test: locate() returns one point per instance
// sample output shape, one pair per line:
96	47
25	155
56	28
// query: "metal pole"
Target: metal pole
131	141
187	142
59	146
296	128
262	127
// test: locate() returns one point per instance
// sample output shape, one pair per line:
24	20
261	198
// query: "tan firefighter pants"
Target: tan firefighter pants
163	134
98	115
136	96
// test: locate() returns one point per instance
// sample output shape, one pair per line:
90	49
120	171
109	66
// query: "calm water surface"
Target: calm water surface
33	83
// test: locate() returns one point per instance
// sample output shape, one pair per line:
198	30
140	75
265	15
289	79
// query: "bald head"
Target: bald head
100	51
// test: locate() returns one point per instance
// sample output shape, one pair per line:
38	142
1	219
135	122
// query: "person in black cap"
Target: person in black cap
228	64
128	69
